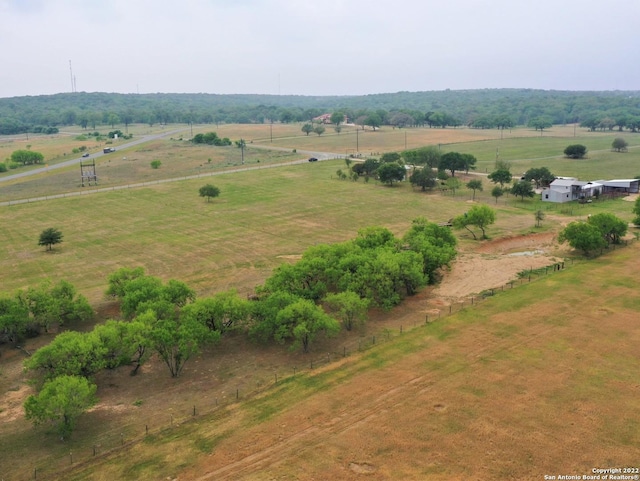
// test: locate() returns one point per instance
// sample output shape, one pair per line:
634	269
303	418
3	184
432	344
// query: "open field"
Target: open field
496	385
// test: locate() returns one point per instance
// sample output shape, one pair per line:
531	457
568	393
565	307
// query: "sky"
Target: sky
316	47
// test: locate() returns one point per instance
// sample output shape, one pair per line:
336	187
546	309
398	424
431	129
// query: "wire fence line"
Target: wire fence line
125	436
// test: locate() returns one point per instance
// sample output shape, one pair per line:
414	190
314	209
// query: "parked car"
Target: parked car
313	159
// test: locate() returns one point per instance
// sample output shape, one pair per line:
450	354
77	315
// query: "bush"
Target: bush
575	151
3	167
155	164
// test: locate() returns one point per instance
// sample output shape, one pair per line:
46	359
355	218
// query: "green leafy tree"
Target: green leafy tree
575	151
373	120
27	157
14	319
500	176
619	144
391	172
209	191
223	312
474	185
337	118
50	237
539	216
523	189
302	322
542	176
436	244
611	227
70	353
453	161
391	157
583	236
540	123
120	278
61	402
424	178
453	184
349	307
177	339
307	128
155	164
425	156
480	216
319	129
497	192
58	304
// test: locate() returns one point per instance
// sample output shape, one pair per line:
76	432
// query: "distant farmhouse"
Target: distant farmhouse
326	119
567	189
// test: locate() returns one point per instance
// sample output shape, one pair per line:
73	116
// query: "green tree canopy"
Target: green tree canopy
302	322
575	151
619	144
480	216
50	237
523	188
583	236
497	192
26	157
349	307
61	402
391	172
424	178
500	176
307	128
475	184
611	227
209	191
542	176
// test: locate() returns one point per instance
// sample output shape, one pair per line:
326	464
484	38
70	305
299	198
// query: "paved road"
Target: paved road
66	163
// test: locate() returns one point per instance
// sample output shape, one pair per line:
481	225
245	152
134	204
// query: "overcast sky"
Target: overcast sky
317	47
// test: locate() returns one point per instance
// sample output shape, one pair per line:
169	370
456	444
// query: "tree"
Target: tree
497	192
480	216
611	227
426	156
424	178
453	184
155	164
303	321
373	120
500	176
26	157
540	175
539	216
14	320
436	244
58	304
319	130
523	188
575	151
619	144
49	237
391	157
177	339
70	353
120	278
307	128
582	235
209	191
337	118
474	185
540	123
61	402
349	307
453	161
391	172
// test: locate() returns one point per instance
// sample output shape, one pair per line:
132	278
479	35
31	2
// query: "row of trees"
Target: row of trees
497	108
598	232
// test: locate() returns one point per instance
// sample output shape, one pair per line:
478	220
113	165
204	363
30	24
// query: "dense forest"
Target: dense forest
489	108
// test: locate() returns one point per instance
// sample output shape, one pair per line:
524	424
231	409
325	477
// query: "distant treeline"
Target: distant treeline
489	108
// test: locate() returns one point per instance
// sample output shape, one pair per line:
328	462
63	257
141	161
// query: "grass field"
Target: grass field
493	384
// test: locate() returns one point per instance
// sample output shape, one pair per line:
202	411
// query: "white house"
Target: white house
563	189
